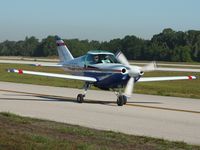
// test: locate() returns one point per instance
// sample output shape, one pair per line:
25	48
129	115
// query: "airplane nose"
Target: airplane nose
135	72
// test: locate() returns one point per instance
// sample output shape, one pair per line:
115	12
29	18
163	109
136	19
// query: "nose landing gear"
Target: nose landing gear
121	100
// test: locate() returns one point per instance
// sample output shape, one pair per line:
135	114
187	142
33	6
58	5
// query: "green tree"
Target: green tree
8	48
30	45
185	55
169	45
47	47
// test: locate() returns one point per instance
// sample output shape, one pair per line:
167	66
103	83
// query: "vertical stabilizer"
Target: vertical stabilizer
63	51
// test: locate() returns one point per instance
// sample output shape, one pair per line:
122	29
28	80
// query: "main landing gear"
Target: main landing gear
121	99
80	97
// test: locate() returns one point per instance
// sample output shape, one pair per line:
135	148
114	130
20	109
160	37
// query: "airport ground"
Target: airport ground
170	118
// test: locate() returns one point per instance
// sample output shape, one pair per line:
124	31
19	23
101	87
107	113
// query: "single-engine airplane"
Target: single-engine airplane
102	69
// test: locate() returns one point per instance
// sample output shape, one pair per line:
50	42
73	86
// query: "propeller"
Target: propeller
133	72
122	59
129	87
149	67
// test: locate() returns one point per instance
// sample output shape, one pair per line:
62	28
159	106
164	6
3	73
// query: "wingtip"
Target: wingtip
192	77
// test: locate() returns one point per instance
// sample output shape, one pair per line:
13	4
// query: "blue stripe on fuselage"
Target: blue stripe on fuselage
108	80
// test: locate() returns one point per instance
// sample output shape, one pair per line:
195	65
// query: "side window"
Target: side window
89	59
105	59
99	58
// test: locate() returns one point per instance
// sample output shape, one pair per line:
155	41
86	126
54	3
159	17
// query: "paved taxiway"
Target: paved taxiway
156	116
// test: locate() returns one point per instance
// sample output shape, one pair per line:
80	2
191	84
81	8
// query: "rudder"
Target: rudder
63	51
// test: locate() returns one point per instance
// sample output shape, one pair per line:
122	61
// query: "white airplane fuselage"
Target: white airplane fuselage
108	75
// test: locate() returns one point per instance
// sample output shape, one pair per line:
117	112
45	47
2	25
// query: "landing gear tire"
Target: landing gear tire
121	100
80	98
125	99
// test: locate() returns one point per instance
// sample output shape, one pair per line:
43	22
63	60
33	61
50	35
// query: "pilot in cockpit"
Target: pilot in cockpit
106	59
101	59
96	59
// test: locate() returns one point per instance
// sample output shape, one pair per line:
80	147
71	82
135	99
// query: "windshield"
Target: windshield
100	58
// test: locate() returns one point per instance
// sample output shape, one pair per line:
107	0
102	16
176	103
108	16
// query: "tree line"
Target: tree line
169	45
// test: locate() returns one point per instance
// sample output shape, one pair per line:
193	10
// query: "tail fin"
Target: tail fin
63	51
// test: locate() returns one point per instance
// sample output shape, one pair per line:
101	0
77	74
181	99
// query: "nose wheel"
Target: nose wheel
121	100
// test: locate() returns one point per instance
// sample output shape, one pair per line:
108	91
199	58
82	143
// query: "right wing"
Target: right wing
82	78
151	79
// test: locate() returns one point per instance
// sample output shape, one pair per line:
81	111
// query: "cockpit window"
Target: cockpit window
100	58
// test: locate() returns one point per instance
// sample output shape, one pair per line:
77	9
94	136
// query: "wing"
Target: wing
149	79
177	69
82	78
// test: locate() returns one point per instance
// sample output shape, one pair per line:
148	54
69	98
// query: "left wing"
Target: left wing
82	78
149	79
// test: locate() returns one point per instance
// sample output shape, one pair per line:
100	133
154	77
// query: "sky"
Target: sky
100	20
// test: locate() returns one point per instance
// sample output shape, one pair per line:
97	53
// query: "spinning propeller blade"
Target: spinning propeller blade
149	67
133	71
122	59
129	87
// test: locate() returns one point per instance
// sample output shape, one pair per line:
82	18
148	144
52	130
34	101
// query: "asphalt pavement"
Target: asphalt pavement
170	118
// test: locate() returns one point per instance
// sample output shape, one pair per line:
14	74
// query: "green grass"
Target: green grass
28	133
182	88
